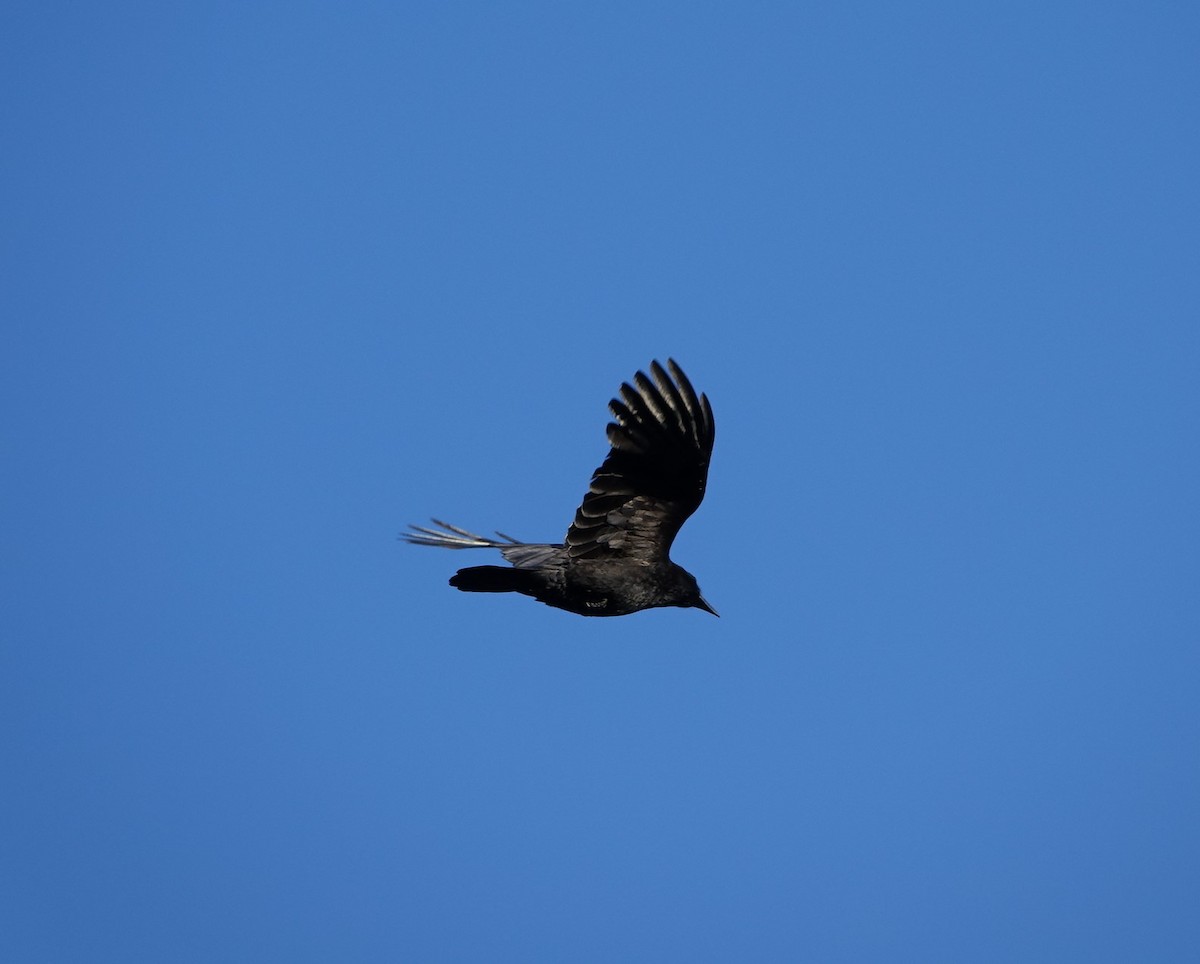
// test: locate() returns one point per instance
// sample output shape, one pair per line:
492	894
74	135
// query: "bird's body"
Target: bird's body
615	559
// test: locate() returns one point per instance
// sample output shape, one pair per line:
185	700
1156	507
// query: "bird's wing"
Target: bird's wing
523	555
655	474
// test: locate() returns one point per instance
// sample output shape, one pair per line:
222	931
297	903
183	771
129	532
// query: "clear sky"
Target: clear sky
279	279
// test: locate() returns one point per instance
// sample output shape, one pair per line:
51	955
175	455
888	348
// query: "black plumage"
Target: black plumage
616	557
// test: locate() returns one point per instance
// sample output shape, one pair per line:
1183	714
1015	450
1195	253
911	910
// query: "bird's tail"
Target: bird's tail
494	579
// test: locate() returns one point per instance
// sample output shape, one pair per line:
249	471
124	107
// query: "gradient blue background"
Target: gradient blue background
280	278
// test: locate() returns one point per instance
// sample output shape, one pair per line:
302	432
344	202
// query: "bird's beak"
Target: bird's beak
707	608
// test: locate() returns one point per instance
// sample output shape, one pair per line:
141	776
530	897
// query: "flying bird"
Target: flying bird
616	557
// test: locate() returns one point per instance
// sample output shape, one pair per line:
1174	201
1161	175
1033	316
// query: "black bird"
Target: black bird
616	556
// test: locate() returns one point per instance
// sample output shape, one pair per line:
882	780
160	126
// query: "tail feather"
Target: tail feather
493	579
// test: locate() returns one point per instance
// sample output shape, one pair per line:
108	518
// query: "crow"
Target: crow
616	558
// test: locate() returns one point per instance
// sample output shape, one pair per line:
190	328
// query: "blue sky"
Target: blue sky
281	278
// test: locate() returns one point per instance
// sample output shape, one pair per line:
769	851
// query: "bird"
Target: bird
615	559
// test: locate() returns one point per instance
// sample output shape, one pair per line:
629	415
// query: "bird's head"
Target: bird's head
685	592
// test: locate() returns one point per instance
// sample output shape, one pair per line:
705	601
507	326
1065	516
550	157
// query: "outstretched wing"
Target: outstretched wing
655	474
523	555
